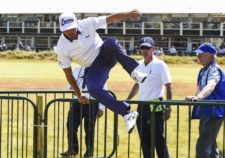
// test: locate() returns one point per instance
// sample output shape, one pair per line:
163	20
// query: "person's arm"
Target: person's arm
214	77
168	109
168	91
73	84
118	17
205	92
133	92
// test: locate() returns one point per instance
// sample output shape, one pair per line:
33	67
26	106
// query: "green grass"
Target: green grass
184	74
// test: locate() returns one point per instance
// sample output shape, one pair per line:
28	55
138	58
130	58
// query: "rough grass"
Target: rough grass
17	54
50	55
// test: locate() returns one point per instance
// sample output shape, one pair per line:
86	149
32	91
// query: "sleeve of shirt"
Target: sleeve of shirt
165	73
96	22
214	74
63	61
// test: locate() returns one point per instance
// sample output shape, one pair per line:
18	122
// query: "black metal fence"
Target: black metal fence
18	130
19	134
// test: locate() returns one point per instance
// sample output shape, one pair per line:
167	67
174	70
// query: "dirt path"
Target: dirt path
179	89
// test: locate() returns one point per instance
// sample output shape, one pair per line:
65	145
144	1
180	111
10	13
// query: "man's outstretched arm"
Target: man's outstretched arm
118	17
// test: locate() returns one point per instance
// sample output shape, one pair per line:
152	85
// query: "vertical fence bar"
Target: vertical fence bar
54	128
17	132
128	149
11	128
63	123
165	131
141	115
0	128
8	130
58	127
22	127
105	132
39	127
81	129
27	129
224	137
189	131
177	141
97	133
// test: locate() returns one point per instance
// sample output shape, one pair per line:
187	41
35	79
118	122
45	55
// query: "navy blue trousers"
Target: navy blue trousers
76	113
97	74
144	125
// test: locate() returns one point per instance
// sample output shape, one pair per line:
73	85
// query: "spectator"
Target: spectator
89	114
4	47
157	51
211	86
152	89
21	46
173	51
221	50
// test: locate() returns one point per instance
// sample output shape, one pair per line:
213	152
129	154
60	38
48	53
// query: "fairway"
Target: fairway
17	74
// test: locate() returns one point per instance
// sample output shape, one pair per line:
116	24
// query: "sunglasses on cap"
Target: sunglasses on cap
145	48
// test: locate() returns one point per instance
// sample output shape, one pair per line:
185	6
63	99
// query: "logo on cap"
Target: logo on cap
66	21
147	41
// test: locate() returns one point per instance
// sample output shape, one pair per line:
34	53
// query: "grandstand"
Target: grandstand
184	25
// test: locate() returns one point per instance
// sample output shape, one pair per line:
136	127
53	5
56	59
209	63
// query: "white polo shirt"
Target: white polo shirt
158	75
86	48
78	73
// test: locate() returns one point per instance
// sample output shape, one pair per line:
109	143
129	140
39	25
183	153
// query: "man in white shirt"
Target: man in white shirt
173	51
80	42
89	113
152	89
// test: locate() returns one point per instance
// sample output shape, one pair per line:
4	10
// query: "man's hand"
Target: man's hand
83	100
118	17
134	14
99	113
167	113
191	98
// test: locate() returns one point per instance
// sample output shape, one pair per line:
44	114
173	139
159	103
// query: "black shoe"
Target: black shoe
69	153
88	155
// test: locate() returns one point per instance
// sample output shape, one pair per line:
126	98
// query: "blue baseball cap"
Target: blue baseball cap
147	41
206	47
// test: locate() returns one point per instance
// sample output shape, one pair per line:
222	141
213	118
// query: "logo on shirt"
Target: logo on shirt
150	71
60	63
87	36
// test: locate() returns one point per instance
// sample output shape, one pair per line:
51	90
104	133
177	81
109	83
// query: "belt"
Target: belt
158	107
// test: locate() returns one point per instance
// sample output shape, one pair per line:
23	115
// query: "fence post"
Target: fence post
39	128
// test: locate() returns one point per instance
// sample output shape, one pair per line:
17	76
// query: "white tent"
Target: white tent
110	6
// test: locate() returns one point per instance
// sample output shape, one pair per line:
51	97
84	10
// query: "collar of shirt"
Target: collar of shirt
154	58
209	65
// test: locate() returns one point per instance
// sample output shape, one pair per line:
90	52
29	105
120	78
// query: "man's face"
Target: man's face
147	51
205	58
71	33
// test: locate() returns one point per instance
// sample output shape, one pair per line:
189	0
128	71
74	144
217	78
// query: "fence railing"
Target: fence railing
20	129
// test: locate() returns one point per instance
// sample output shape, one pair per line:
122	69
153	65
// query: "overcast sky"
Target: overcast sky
109	6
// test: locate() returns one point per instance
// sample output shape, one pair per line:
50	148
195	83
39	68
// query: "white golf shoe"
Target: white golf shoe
130	120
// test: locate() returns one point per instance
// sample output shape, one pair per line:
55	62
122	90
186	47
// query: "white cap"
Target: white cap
67	21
